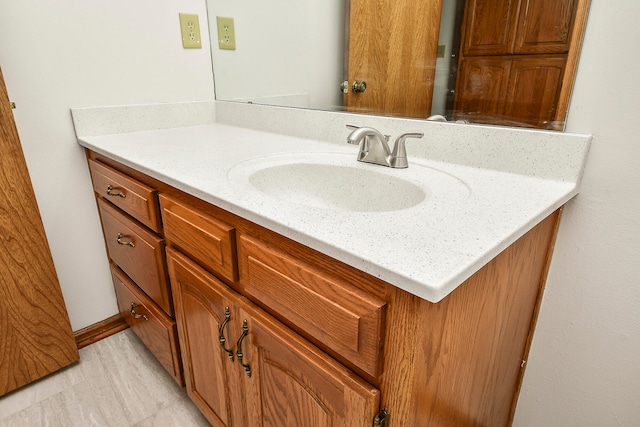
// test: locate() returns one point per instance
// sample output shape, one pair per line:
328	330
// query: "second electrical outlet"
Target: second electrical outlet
226	33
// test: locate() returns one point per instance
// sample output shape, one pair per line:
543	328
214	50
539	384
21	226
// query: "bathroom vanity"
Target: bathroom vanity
277	309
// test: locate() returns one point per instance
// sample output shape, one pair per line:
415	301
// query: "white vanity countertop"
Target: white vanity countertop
427	250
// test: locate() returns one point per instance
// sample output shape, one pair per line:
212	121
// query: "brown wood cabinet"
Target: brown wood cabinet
258	372
138	252
154	327
35	332
500	27
206	311
208	240
320	304
489	27
130	215
293	337
510	90
513	59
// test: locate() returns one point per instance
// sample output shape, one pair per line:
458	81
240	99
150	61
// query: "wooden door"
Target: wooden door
202	305
293	384
392	46
35	334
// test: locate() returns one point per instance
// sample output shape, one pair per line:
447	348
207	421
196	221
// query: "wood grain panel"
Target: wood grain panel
482	89
35	333
545	26
156	330
140	201
144	262
393	48
294	384
99	331
212	378
315	303
205	238
468	349
489	27
534	88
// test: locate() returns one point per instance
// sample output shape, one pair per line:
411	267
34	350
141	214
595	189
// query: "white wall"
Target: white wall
283	48
77	53
584	367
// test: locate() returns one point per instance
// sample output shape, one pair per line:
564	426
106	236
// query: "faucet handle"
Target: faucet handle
352	127
399	147
366	138
399	154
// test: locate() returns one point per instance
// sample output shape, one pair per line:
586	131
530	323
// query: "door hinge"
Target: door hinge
382	419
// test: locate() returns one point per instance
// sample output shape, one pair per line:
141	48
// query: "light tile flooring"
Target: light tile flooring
116	383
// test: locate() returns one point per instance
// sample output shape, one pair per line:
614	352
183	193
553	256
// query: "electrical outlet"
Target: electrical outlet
441	50
190	29
226	33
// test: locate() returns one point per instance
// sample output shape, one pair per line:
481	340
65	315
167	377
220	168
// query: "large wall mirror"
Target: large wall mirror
500	62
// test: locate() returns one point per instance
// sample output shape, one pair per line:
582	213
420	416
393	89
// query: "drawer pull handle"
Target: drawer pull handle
221	338
124	242
245	331
110	192
136	315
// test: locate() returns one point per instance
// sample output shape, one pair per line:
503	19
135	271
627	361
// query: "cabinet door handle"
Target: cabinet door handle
124	242
245	331
120	193
136	315
221	338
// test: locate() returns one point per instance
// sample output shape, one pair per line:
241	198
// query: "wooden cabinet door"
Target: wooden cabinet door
545	26
276	379
201	303
481	89
35	333
534	88
293	384
489	27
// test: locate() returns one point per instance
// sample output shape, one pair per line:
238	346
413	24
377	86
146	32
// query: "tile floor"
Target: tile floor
116	383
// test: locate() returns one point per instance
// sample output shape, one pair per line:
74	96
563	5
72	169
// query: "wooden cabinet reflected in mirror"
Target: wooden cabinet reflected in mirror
512	64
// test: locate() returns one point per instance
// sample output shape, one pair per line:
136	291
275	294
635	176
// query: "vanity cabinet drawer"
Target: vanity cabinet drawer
334	314
154	328
139	253
133	197
206	239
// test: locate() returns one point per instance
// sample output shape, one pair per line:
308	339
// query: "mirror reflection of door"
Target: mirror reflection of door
392	46
512	62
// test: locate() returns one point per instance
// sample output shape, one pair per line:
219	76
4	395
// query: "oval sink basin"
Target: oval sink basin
337	187
337	182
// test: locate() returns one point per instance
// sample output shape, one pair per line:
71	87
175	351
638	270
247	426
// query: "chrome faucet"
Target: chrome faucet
374	146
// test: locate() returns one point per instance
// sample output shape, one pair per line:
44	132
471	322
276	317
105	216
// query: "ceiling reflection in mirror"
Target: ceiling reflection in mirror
499	62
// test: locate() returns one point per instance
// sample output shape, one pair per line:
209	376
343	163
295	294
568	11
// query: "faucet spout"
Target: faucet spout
374	147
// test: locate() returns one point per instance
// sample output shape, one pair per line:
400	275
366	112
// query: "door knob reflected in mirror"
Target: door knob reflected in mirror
359	86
